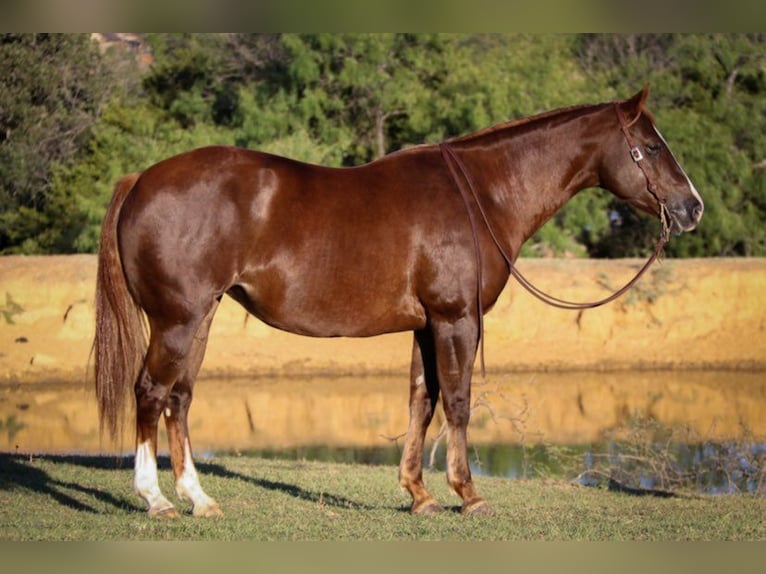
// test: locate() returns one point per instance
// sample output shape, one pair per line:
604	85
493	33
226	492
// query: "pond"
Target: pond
522	425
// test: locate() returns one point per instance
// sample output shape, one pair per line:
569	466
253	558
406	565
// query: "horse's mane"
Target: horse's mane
526	120
519	122
565	111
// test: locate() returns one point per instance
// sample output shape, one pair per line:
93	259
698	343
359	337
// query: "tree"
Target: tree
708	97
72	122
54	88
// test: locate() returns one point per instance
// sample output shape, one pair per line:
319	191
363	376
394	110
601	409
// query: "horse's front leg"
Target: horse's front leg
424	393
456	345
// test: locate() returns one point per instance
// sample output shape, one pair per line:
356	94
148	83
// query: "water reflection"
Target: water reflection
714	468
371	412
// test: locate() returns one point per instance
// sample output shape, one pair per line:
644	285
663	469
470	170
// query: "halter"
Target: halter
457	168
638	158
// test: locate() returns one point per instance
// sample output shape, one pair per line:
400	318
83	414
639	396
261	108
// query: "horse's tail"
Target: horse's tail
120	343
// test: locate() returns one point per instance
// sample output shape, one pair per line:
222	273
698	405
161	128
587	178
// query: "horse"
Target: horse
393	245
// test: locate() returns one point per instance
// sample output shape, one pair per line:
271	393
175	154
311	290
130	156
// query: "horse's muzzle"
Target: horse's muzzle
686	215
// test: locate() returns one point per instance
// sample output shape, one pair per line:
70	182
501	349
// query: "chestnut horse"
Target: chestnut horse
393	245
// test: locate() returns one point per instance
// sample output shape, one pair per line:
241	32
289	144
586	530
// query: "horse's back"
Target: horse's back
338	247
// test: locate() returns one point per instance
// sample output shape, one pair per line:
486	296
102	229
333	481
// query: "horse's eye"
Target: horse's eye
653	148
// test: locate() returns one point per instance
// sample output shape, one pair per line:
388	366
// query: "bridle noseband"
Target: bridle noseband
457	167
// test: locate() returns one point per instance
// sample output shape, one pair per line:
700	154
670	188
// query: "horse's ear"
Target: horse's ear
635	105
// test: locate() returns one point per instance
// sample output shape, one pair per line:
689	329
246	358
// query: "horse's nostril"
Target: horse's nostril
697	212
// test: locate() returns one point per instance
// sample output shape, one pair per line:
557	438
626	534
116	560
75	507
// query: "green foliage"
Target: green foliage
74	120
128	138
708	99
54	86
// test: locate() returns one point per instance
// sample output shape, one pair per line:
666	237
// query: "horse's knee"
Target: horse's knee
457	409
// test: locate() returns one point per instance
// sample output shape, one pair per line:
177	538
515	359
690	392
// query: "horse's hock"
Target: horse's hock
692	313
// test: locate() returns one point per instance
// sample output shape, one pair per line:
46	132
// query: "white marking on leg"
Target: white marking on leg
145	480
168	412
189	488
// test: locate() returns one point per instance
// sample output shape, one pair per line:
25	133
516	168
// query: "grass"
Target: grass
90	499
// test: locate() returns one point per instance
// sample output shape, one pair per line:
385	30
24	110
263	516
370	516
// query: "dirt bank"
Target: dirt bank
684	314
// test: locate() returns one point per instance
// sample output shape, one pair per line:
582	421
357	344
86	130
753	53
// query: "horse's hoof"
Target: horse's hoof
478	507
208	511
164	512
427	506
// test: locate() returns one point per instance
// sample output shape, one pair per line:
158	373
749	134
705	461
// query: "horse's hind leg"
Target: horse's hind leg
176	420
424	393
166	360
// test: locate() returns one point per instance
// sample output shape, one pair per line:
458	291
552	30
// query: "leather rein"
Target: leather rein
460	174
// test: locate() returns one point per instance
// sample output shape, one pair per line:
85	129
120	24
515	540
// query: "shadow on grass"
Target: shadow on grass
291	489
18	471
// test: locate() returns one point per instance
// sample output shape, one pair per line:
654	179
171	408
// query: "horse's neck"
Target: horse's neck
524	176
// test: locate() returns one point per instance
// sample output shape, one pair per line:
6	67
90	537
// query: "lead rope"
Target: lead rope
454	163
451	160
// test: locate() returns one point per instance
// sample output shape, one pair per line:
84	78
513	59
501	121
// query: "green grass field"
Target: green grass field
90	498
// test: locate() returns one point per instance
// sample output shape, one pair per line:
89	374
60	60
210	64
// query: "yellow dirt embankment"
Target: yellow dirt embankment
683	314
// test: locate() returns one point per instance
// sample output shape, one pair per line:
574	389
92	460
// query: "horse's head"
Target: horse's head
639	168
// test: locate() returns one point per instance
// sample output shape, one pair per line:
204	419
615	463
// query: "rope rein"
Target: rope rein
460	174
